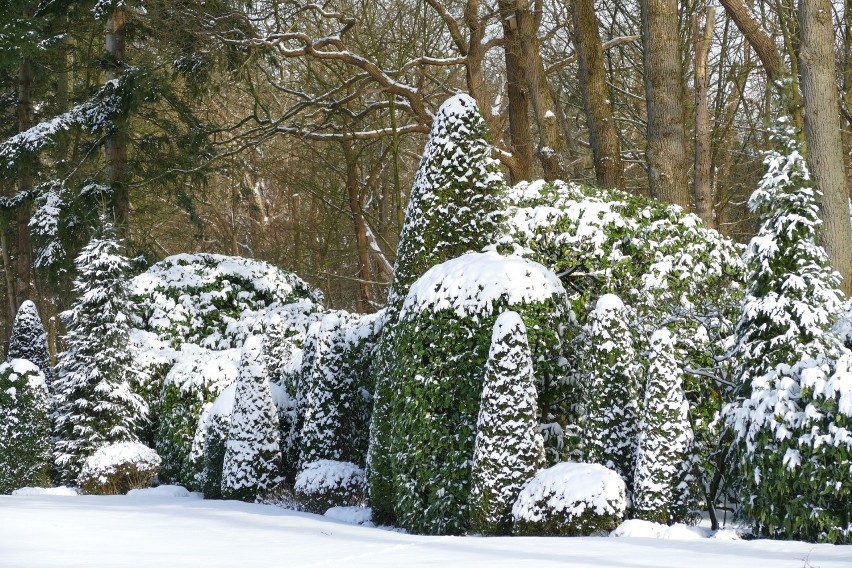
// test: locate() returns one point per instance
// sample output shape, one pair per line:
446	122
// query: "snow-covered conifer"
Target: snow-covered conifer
509	448
25	458
613	378
252	453
94	402
792	445
29	340
663	477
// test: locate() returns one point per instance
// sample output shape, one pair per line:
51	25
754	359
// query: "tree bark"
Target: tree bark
704	195
26	119
520	132
603	136
365	296
666	151
115	146
822	132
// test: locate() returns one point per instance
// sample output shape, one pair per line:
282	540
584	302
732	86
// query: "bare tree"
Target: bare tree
704	194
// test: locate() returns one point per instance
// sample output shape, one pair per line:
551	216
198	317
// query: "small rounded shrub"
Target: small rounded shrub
570	499
117	468
324	484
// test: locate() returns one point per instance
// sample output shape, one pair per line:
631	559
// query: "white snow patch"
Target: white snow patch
351	515
637	528
31	491
163	491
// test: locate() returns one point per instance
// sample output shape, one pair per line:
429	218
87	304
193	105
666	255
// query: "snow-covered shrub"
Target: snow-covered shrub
253	450
663	480
29	340
440	352
613	374
117	468
195	379
95	404
25	457
509	448
791	427
570	499
326	483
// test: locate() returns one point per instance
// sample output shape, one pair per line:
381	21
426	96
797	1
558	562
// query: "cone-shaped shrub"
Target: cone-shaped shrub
663	477
25	458
509	448
29	340
253	453
613	379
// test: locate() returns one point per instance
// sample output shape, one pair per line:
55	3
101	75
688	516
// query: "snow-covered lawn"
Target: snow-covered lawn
159	529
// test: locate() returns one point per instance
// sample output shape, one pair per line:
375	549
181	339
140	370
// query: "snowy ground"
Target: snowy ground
164	530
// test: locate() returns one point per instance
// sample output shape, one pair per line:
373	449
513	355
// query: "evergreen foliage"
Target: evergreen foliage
117	468
29	340
252	453
614	374
327	483
509	448
792	445
663	478
25	453
94	402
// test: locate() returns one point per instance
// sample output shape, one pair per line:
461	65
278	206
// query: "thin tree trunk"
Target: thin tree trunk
365	296
603	136
822	132
10	280
704	194
116	142
519	123
666	151
26	119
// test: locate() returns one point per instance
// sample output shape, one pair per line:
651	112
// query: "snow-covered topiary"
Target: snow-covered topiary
25	457
253	450
327	483
613	376
95	404
663	478
115	469
791	427
29	340
509	448
570	499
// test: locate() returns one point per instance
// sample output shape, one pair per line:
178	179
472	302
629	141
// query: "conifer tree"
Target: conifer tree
95	404
509	448
662	478
614	375
252	452
29	340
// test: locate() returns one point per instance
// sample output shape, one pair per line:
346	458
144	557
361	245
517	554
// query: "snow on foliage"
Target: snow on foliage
45	226
613	375
253	450
95	404
663	481
116	468
509	448
29	340
570	499
327	483
791	427
25	457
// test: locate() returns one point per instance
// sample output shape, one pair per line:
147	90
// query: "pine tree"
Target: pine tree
614	375
252	452
662	478
94	402
795	469
29	340
509	448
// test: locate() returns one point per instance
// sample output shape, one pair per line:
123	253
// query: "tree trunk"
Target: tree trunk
666	151
606	146
704	195
365	296
519	123
26	119
115	146
822	132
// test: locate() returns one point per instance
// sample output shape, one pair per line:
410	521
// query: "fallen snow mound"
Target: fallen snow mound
352	515
162	491
33	491
637	528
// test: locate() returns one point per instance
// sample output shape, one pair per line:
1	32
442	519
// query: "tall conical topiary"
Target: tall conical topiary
29	340
663	473
253	451
509	448
94	402
457	191
790	427
613	381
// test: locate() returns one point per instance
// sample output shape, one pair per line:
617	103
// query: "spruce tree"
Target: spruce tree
613	378
252	452
509	448
663	478
95	404
29	340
